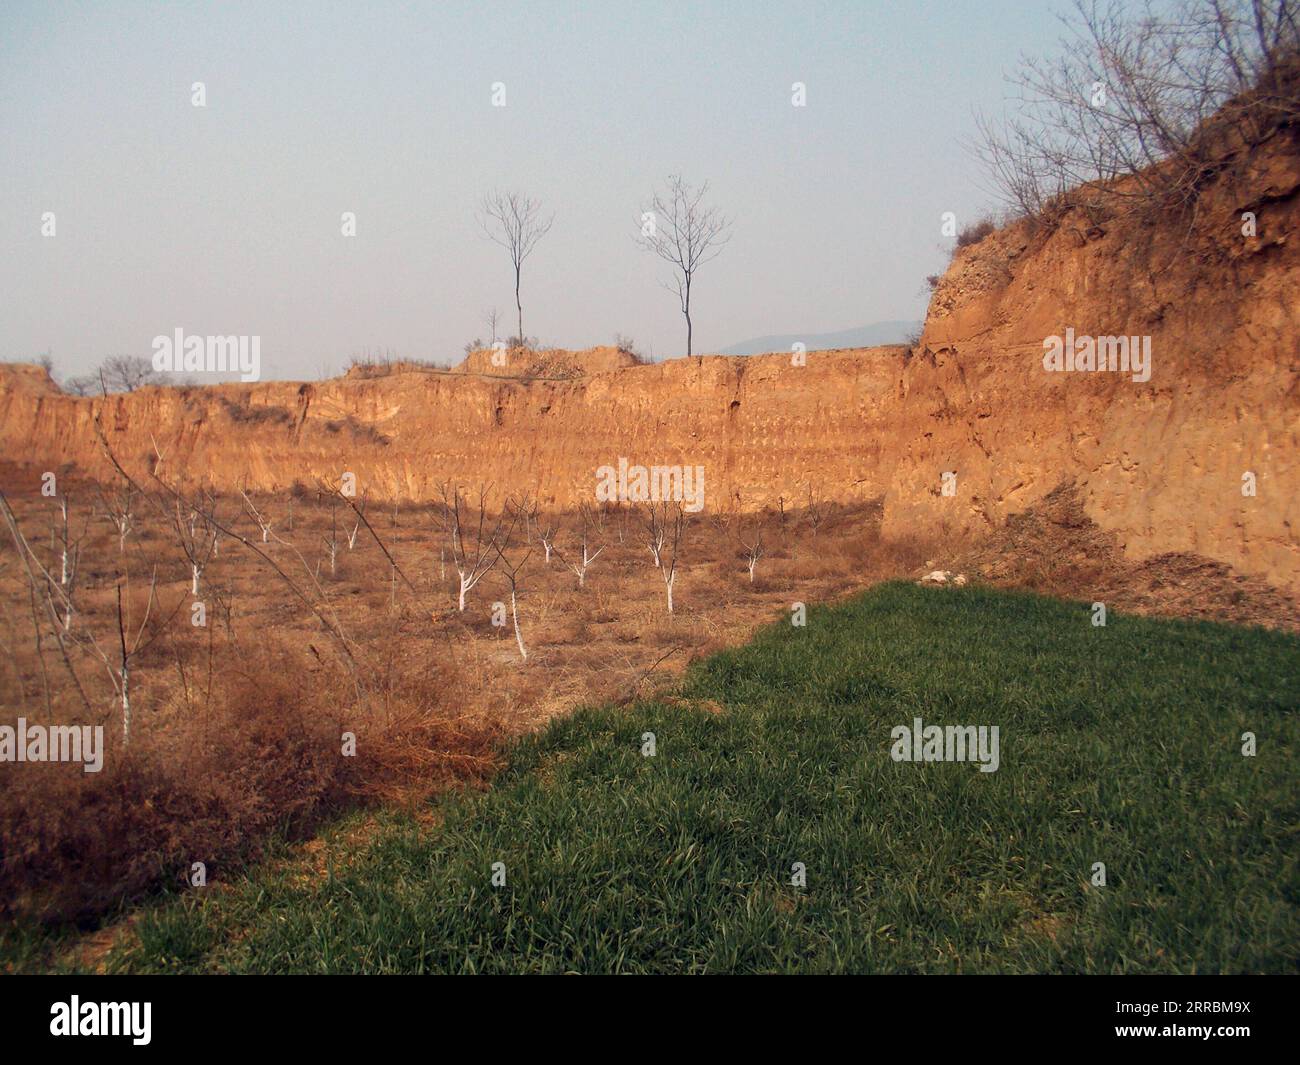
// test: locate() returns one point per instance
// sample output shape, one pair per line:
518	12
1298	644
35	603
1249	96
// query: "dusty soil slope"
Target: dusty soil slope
1055	548
1159	465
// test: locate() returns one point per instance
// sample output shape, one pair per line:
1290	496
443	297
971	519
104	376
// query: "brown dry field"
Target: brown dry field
237	724
606	640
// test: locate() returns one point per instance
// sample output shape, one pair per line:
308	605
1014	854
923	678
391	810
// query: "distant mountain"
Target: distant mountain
864	336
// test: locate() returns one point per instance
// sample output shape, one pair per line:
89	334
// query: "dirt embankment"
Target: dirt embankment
1159	464
761	428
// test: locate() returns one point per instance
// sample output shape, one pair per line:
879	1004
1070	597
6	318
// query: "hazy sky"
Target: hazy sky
226	219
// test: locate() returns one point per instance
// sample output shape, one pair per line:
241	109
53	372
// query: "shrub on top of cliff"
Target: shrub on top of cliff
515	345
370	364
1140	111
627	346
972	234
35	372
117	373
367	368
79	385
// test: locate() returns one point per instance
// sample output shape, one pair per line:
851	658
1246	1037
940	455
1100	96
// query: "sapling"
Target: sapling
668	520
753	546
472	543
580	567
512	568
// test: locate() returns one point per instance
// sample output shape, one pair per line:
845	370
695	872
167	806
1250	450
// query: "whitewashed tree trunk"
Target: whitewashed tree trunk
519	636
125	673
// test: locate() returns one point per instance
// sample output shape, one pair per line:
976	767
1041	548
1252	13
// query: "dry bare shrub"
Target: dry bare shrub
1126	116
974	233
811	567
262	755
422	744
237	735
252	760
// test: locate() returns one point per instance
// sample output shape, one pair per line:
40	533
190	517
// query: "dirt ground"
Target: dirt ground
609	637
1055	548
329	626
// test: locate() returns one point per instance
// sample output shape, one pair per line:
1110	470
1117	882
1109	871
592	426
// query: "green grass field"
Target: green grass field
1119	745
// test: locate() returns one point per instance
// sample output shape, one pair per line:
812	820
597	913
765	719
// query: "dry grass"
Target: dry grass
237	725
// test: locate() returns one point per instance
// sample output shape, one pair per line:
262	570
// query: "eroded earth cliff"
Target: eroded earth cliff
1160	464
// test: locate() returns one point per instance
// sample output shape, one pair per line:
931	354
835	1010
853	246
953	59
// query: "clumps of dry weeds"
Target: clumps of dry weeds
258	755
239	724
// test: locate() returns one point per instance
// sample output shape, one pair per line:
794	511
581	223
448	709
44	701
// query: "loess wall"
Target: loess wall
1159	463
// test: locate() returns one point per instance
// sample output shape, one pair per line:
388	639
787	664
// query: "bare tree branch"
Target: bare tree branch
685	233
514	222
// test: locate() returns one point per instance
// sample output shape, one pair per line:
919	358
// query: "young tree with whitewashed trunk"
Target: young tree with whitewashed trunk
471	542
655	535
359	513
197	535
528	508
753	546
55	530
670	520
70	573
119	506
44	587
68	546
512	566
127	652
546	536
331	542
581	566
128	647
263	523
